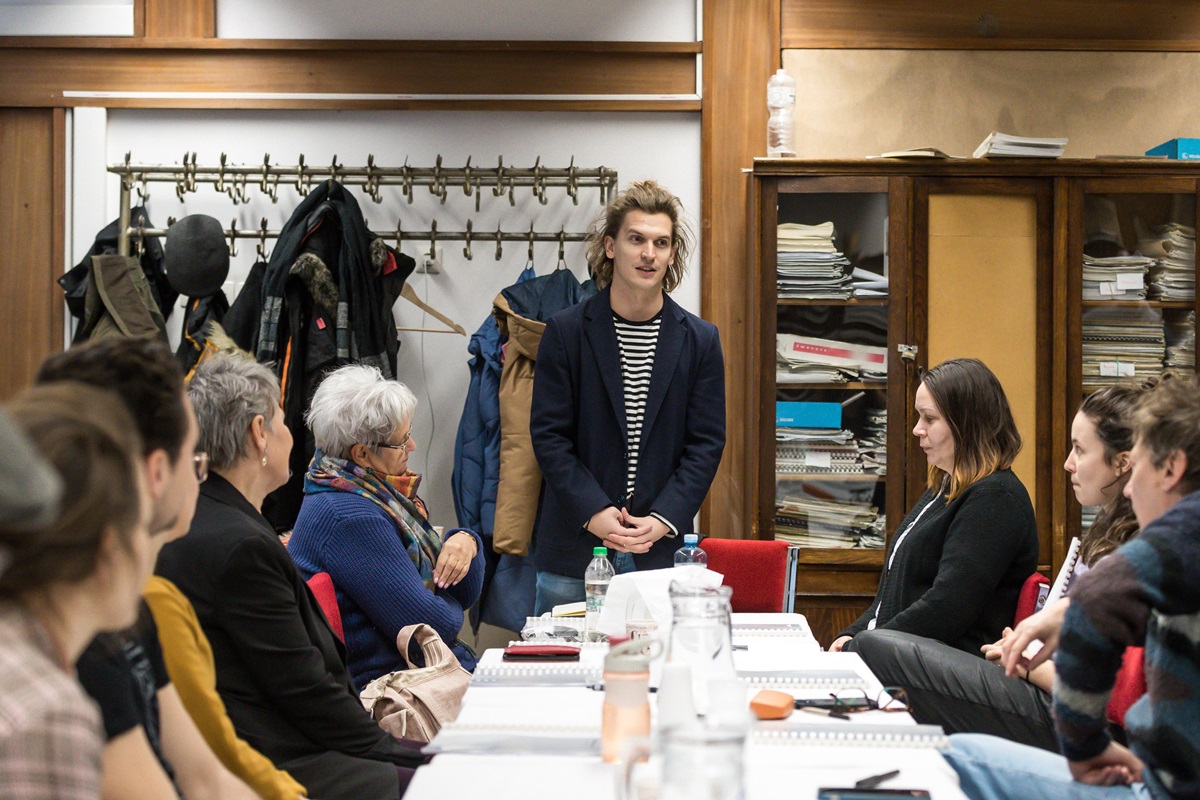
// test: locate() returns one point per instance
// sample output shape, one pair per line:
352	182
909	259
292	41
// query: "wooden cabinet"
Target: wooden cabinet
922	262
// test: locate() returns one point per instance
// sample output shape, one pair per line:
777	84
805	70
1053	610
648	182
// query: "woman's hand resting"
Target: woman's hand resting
455	560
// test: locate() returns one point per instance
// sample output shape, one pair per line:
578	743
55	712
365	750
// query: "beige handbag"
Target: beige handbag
415	703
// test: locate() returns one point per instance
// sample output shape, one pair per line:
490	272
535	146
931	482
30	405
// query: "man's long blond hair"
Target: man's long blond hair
650	198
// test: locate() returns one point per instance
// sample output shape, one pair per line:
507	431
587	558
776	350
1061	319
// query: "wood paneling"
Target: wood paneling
741	51
1105	103
1001	24
181	18
32	147
38	73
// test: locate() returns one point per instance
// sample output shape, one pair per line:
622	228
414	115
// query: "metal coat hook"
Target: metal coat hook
433	240
467	239
191	173
143	189
301	177
141	241
371	187
407	181
220	184
562	248
572	182
539	182
531	234
262	240
399	235
233	237
499	243
335	169
438	187
270	182
499	189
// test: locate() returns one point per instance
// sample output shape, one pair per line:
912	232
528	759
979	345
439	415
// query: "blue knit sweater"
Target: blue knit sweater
1147	590
379	590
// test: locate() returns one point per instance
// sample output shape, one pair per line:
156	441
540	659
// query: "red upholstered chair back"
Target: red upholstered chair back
755	570
322	588
1032	597
1130	684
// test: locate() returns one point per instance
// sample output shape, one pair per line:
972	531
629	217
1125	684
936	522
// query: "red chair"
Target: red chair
755	570
1032	597
321	586
1129	686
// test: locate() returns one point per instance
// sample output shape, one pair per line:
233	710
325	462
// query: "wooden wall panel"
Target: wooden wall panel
179	18
741	50
998	24
1106	103
32	144
38	74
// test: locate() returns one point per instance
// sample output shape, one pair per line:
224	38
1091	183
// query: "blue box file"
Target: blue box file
1183	149
808	415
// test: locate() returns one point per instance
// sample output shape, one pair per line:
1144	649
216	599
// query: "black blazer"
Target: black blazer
577	423
281	670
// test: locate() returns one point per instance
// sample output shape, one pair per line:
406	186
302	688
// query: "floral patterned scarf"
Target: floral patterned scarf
395	494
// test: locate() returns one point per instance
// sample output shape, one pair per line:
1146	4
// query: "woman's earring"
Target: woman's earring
264	458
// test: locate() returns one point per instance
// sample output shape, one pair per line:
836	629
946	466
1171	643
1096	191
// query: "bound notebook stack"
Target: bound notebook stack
1006	145
1121	343
843	520
807	359
1115	278
1173	248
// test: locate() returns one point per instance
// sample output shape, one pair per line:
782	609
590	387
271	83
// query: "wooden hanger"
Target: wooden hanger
410	294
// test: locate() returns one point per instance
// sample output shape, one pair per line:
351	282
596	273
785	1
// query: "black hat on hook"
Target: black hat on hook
197	257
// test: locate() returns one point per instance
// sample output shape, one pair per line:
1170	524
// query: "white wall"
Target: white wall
570	20
664	146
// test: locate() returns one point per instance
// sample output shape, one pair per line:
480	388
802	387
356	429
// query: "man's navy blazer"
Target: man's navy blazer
577	423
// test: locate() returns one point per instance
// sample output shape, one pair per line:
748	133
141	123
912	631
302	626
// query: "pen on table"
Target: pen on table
825	712
875	780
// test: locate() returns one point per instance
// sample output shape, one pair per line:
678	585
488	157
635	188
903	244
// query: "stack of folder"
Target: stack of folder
1180	331
1009	146
806	359
809	264
1121	344
1173	248
839	522
1115	278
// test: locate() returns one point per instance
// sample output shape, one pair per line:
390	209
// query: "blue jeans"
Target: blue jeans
554	590
991	768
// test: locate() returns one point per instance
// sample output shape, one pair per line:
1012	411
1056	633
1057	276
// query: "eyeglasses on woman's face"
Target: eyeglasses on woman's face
408	438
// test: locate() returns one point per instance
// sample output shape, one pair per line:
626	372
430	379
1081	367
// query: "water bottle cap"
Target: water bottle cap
600	551
691	538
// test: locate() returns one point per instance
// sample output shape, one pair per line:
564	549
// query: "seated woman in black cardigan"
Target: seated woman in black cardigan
956	563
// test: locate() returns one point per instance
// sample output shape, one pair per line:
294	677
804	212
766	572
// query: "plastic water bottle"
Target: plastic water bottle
781	98
595	582
690	555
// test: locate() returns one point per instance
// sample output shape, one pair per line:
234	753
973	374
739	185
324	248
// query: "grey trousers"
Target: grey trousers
957	690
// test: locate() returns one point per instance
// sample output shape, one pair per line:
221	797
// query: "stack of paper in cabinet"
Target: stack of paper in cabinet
843	521
815	456
1009	146
1181	343
1115	278
872	445
1121	343
809	265
807	359
1173	248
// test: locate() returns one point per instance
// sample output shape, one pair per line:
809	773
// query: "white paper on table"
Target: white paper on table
654	586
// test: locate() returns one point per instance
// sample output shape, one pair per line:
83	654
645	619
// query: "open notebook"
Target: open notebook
1058	590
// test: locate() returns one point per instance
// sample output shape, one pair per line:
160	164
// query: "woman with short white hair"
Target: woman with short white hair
362	522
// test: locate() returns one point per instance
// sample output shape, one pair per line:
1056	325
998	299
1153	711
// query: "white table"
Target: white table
540	741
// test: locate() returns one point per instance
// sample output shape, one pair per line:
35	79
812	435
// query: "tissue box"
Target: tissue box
1183	149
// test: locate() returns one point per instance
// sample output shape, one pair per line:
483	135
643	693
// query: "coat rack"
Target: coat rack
239	182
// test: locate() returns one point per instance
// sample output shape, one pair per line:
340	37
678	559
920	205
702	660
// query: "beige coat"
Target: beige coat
520	477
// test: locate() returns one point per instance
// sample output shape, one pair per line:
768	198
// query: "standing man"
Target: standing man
628	413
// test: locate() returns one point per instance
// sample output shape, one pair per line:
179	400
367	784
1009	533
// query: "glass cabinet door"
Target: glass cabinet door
827	275
1134	277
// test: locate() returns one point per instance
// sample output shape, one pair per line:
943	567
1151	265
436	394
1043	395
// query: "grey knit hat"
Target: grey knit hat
30	489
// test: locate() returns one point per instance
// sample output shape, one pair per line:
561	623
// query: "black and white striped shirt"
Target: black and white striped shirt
636	342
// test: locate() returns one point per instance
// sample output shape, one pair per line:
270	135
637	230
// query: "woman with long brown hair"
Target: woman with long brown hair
956	564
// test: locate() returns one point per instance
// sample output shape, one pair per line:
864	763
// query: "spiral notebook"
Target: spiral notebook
527	674
514	738
1058	590
853	734
805	679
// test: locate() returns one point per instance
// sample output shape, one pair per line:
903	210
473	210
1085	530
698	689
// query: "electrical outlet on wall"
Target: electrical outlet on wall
430	265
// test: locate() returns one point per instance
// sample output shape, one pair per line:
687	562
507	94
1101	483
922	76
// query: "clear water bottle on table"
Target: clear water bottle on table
690	555
781	127
595	582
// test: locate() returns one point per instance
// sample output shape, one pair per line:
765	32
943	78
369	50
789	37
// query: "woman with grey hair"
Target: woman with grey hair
280	669
362	522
